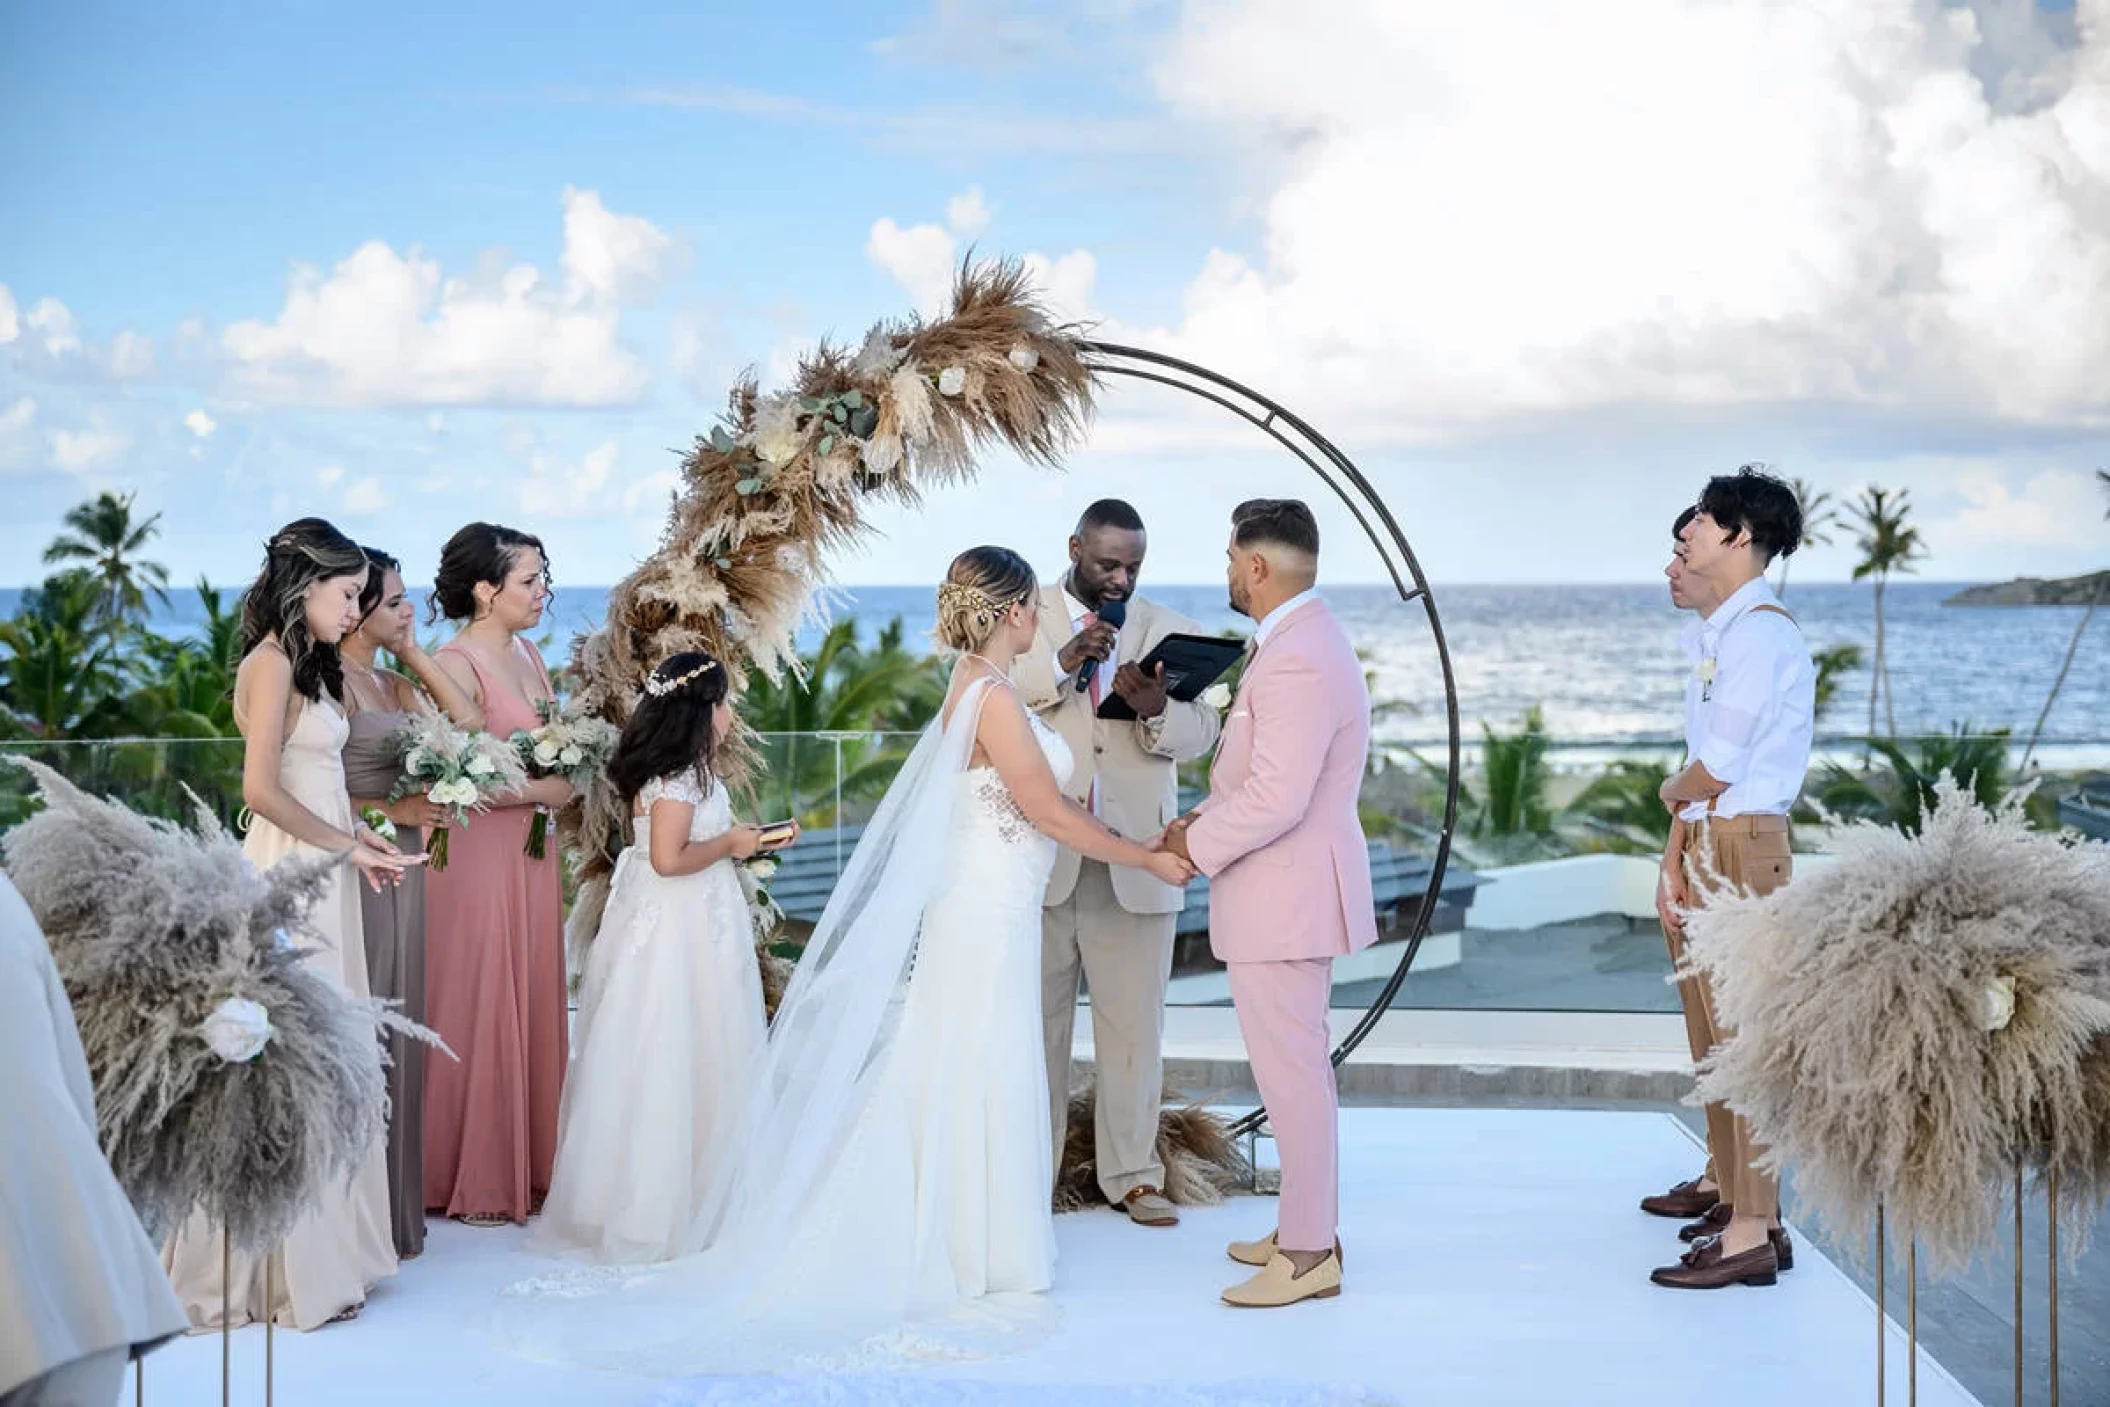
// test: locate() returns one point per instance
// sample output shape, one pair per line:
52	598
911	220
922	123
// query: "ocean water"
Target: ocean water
1602	661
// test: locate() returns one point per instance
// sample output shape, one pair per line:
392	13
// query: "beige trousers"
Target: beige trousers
1750	853
1124	959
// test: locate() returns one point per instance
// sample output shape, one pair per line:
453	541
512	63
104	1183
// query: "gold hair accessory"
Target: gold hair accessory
973	598
659	688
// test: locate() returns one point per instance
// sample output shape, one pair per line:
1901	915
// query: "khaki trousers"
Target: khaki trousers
1125	959
1749	853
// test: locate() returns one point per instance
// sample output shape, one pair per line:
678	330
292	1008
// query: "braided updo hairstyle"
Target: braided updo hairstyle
982	584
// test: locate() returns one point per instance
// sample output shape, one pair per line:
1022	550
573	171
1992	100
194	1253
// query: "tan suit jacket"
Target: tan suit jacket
1134	762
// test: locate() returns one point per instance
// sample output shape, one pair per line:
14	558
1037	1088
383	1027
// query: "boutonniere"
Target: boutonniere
1217	696
1704	672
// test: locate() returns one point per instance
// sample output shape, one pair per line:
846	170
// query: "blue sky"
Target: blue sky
264	260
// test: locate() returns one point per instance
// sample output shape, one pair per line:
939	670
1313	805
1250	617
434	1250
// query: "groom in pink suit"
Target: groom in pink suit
1289	876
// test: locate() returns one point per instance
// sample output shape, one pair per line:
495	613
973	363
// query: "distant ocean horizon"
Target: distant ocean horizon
1601	661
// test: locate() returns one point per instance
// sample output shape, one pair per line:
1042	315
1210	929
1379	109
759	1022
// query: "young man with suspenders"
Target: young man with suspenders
1750	715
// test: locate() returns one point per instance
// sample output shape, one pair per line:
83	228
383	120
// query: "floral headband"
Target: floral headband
659	688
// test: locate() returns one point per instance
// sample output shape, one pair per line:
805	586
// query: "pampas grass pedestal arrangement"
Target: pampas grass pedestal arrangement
229	1078
1923	1031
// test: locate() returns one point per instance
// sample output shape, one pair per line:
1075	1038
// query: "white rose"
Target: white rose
952	381
479	766
763	870
459	792
419	760
1999	1003
237	1029
1217	696
776	437
1024	357
545	754
571	756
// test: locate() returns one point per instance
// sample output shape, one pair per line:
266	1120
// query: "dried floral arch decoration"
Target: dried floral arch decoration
788	478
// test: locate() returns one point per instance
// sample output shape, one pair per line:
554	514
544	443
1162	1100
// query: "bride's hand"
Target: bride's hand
1170	868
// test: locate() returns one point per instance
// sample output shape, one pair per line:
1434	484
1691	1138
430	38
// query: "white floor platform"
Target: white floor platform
1494	1257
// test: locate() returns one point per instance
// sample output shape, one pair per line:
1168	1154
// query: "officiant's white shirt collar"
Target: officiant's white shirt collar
1280	614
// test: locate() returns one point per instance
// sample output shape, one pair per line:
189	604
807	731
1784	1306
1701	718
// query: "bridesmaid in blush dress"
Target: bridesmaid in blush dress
288	703
379	701
494	951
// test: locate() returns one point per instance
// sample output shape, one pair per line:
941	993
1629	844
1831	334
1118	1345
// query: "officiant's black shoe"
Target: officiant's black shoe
1684	1201
1704	1267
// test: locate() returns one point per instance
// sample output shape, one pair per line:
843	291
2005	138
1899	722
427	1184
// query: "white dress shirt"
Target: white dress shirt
1750	704
1273	618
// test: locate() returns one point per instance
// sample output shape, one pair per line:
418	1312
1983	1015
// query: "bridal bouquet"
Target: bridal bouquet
755	874
454	767
574	746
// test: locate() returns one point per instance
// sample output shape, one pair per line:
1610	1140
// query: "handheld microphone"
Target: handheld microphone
1113	613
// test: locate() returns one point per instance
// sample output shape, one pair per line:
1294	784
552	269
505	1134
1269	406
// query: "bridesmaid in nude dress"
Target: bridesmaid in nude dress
494	952
288	702
379	702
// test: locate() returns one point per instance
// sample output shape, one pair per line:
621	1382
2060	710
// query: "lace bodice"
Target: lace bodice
713	814
993	805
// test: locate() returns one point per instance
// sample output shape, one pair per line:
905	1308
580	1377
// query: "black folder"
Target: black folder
1192	663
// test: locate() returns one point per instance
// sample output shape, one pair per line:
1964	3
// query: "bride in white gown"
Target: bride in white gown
889	1197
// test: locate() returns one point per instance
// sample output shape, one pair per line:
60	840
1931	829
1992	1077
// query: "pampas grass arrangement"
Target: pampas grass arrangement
1917	1019
157	933
1202	1161
789	476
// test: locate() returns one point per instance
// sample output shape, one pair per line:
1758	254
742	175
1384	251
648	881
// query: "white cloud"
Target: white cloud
919	258
611	257
556	488
649	495
17	438
967	214
75	450
384	328
10	319
2056	508
329	475
54	321
366	496
201	424
922	259
1476	212
18	416
131	354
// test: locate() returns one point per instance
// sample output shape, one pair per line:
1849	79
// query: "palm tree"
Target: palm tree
190	689
2095	598
106	540
1888	544
1902	794
1818	519
62	674
1833	662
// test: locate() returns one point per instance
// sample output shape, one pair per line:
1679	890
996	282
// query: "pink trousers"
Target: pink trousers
1282	1015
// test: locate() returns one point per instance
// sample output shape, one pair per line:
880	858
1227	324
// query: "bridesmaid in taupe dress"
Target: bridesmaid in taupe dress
379	702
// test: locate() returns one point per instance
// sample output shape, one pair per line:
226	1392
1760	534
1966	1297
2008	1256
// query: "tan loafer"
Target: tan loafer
1257	1253
1279	1284
1146	1206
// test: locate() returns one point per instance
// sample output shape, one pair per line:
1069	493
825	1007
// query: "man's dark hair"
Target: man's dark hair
1278	522
1751	500
1677	529
1110	513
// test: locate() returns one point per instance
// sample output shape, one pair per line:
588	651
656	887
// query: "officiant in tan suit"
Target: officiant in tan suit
1112	926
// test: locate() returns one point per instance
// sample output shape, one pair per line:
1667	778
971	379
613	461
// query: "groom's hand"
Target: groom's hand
1174	839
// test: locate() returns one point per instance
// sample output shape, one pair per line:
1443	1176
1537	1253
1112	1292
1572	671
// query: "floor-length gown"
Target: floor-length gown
670	1022
342	1246
394	919
494	992
930	1235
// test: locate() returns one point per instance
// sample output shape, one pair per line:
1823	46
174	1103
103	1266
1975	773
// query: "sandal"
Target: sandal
487	1220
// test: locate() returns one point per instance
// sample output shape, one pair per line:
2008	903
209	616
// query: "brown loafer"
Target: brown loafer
1783	1248
1146	1206
1708	1229
1685	1201
1704	1267
1711	1224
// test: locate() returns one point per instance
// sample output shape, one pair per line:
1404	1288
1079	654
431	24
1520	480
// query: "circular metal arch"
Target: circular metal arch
1339	474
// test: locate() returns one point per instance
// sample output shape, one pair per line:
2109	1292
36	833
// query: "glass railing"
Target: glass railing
1546	902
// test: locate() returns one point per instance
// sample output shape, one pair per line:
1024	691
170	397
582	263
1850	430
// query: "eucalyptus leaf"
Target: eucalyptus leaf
853	398
863	422
747	486
827	445
837	414
809	403
721	563
720	440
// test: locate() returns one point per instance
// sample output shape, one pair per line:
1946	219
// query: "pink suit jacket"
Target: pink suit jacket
1279	836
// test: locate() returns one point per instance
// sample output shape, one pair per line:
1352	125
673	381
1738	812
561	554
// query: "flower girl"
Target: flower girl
670	1013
